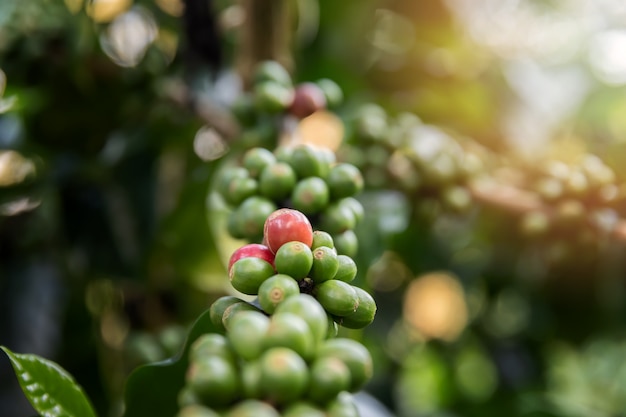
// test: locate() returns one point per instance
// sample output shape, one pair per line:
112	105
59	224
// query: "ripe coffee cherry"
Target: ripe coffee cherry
310	195
294	259
252	408
332	92
246	333
284	375
364	314
337	297
271	71
346	243
321	238
346	270
247	274
356	357
329	377
344	180
219	306
286	225
303	409
196	410
291	331
214	380
342	406
256	159
275	290
211	344
309	309
325	264
277	181
309	161
308	98
252	250
272	97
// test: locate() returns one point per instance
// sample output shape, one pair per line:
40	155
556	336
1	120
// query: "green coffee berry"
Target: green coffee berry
247	274
252	214
229	174
329	377
251	379
284	375
346	270
234	225
321	238
252	408
275	290
277	181
344	180
325	264
291	331
271	71
332	327
214	380
243	110
309	309
239	189
246	333
356	357
211	344
233	310
310	195
308	161
303	409
272	97
346	243
364	314
216	311
196	410
294	259
186	396
342	406
337	218
332	92
337	297
256	159
283	153
355	206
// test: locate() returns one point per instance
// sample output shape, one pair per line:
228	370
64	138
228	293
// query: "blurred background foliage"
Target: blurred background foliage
490	133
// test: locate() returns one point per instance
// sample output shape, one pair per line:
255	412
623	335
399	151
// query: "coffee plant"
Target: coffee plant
312	208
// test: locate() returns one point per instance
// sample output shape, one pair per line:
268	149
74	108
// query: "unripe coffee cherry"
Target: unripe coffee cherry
239	189
325	264
228	175
346	270
251	379
214	380
337	297
272	97
346	243
211	344
308	98
329	377
291	331
309	161
355	206
232	312
332	92
344	180
303	409
342	406
277	181
310	195
252	214
294	259
187	397
247	274
256	159
275	290
197	410
271	71
286	225
337	218
356	357
321	238
252	408
364	314
284	375
219	306
309	309
252	250
246	333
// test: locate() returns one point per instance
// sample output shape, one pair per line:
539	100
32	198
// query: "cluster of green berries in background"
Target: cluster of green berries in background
274	93
303	177
280	355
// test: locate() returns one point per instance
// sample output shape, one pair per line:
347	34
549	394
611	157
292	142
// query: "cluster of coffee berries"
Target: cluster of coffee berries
280	355
274	93
422	160
302	177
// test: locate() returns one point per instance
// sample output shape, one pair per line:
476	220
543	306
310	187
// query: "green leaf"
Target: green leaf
49	388
152	390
